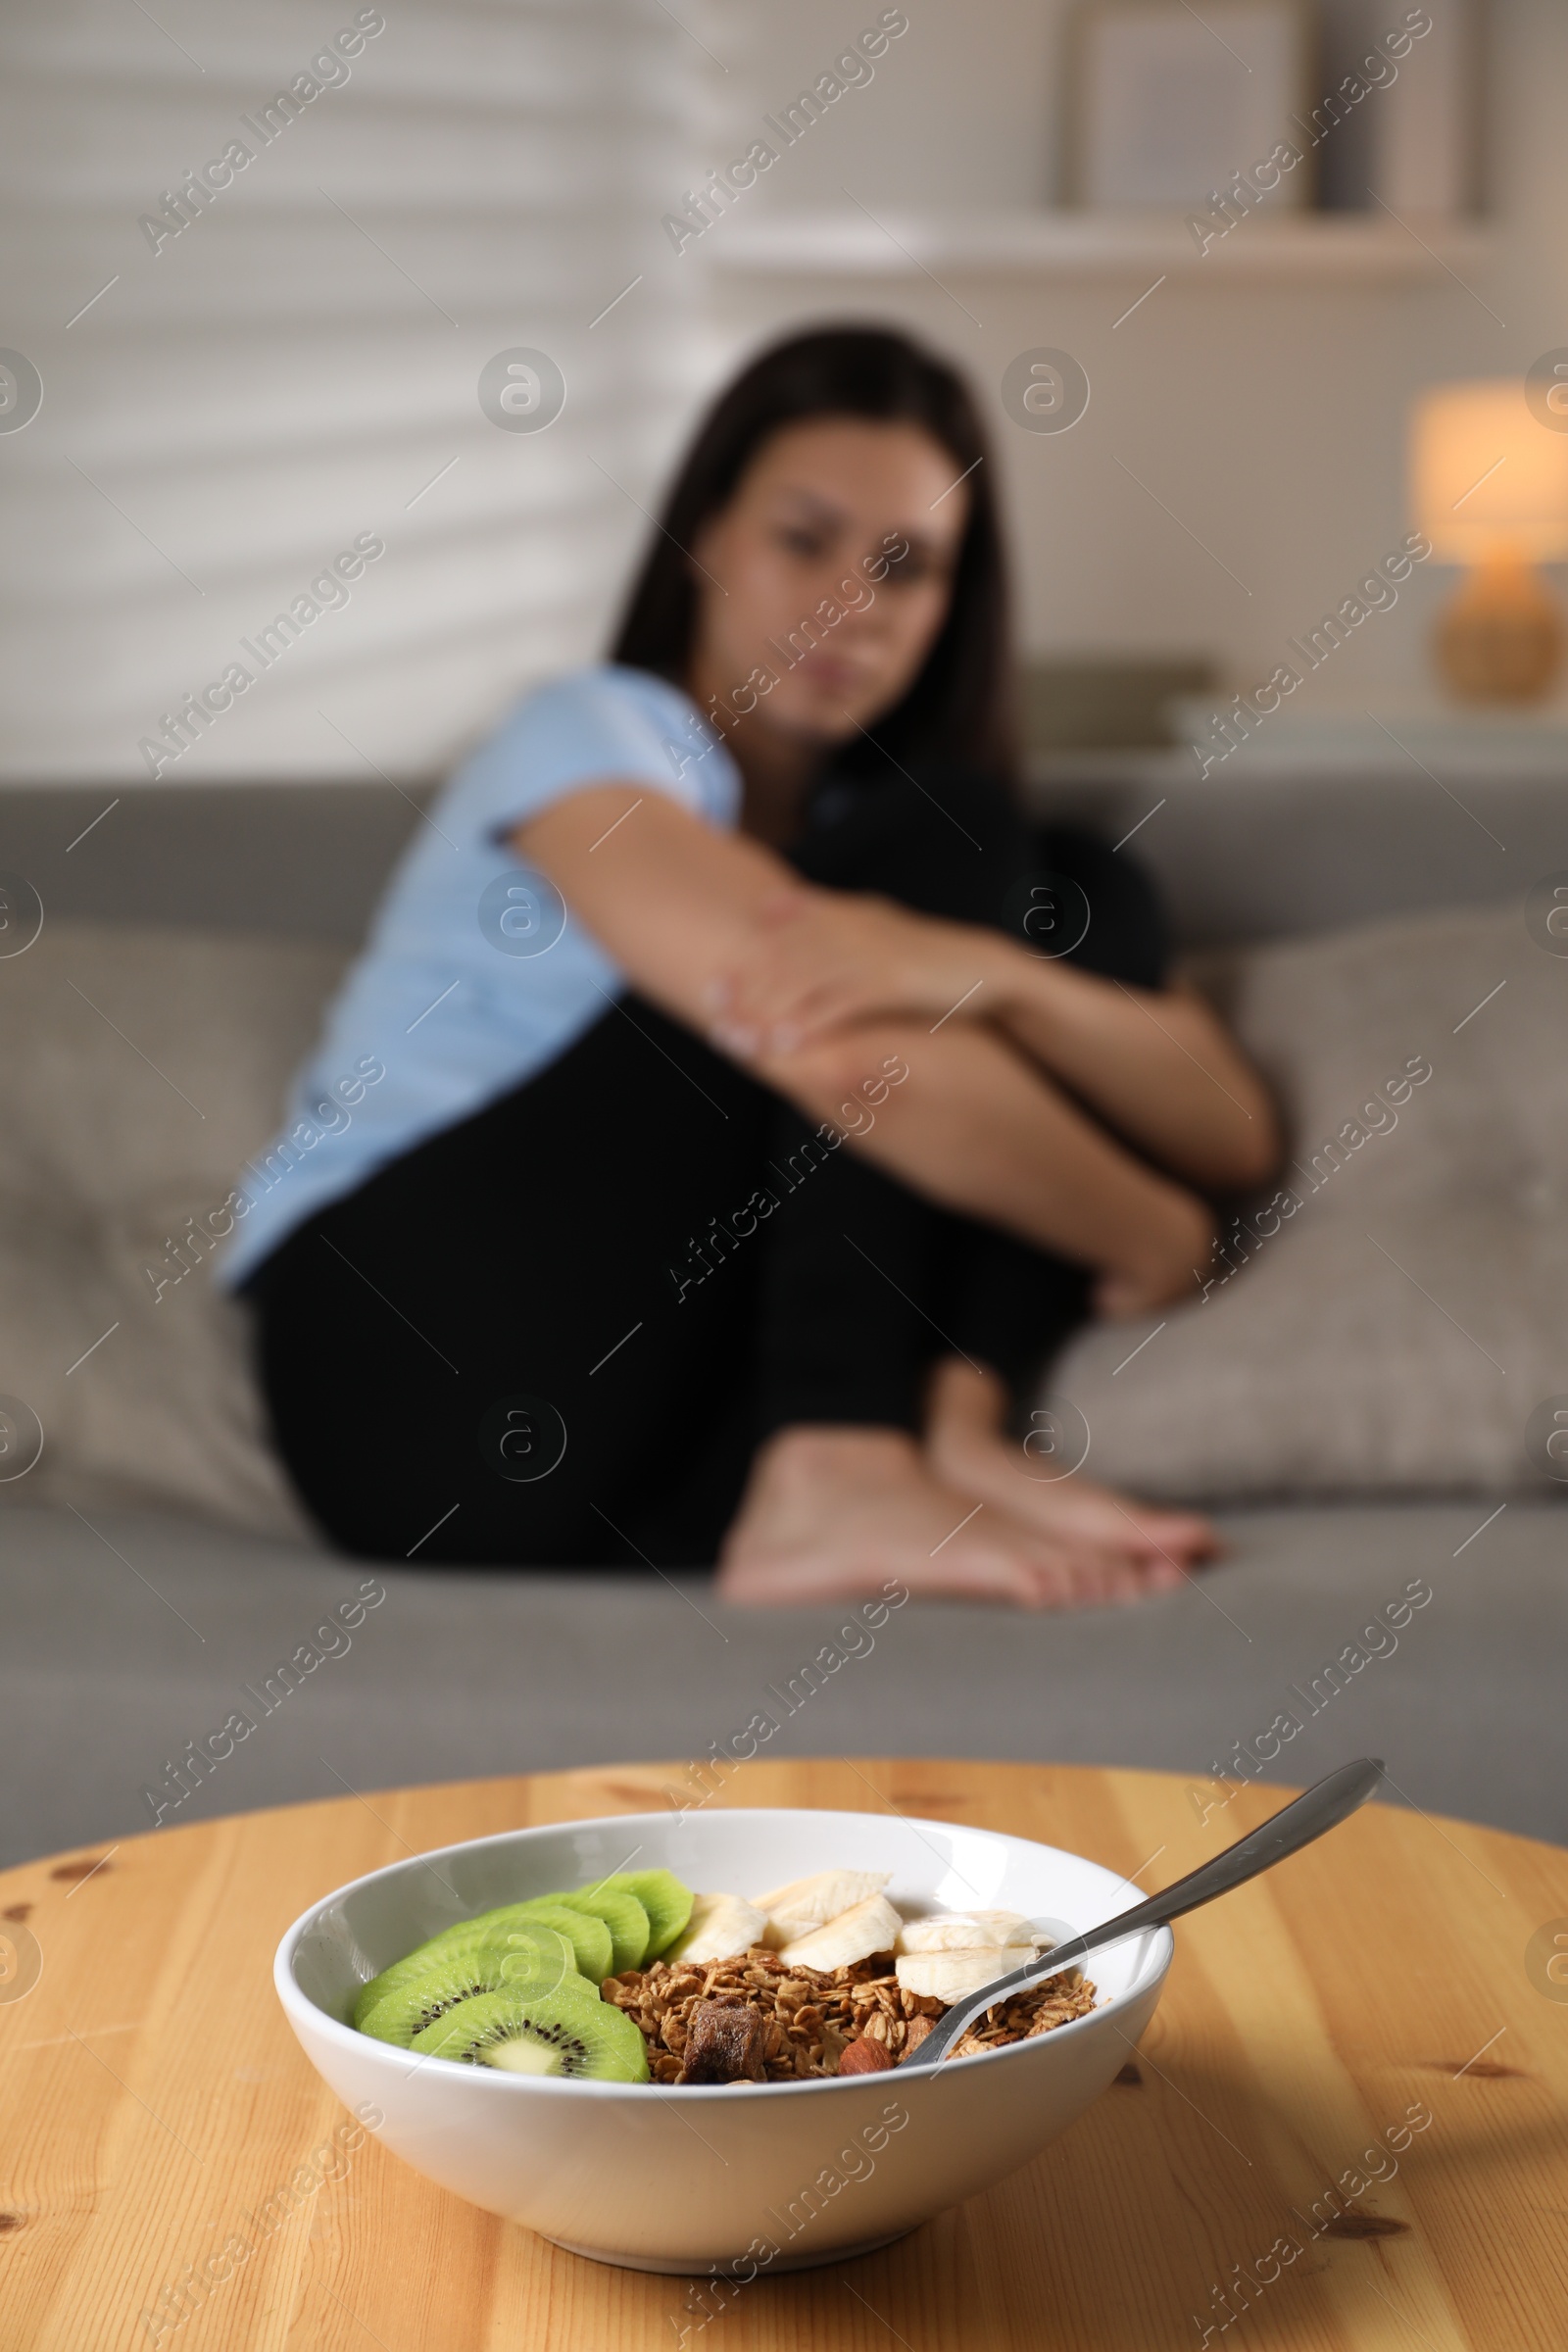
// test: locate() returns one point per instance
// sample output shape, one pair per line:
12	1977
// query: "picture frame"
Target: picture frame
1165	103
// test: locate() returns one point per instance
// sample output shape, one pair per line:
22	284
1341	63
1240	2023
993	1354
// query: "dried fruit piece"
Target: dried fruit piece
725	2042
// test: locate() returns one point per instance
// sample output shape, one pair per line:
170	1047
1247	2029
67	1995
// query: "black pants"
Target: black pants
555	1334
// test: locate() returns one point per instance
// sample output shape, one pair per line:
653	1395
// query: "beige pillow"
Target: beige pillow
141	1068
1396	1328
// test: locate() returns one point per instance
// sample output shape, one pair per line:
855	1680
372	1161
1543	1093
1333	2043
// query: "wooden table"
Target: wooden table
153	2100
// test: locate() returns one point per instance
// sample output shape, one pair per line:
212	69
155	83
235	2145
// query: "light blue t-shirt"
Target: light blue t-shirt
475	975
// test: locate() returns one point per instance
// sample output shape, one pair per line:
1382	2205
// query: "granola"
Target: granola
1056	2003
808	2016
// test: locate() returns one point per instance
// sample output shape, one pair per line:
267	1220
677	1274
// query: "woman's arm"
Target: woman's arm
963	1117
1155	1065
674	901
971	1124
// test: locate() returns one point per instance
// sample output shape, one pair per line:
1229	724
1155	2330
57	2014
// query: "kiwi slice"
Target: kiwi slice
667	1904
622	1914
454	1969
588	1935
467	1935
407	1970
538	2033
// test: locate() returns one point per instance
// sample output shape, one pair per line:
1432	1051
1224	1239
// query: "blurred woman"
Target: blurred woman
737	1155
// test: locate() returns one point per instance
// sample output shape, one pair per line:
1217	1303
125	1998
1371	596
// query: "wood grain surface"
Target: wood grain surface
154	2103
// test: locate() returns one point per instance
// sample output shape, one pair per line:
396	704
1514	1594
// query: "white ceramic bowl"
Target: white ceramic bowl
760	2177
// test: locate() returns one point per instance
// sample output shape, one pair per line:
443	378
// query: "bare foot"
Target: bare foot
1163	1258
831	1514
967	1447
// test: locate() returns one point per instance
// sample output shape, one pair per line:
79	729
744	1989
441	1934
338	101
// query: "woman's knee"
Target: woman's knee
1128	933
952	843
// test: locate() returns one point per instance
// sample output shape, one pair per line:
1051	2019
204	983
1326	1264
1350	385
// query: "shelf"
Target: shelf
1333	248
1397	740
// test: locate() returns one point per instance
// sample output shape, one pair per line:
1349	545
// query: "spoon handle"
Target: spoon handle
1322	1807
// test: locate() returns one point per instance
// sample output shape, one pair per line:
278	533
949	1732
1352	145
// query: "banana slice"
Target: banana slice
721	1927
806	1903
964	1932
855	1935
952	1976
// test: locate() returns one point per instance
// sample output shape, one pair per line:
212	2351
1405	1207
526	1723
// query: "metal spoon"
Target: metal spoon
1323	1807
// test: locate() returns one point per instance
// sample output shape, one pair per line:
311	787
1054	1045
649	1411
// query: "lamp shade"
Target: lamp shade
1485	478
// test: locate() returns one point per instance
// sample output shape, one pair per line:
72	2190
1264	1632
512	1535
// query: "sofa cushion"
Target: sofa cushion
141	1068
1393	1315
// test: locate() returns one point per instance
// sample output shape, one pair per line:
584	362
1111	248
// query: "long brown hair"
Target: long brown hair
958	714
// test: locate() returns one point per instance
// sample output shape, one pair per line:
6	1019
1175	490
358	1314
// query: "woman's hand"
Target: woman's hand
819	959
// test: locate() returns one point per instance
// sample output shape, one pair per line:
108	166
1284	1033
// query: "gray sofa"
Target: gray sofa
130	1632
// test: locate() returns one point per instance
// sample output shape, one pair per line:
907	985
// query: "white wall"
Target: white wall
233	409
1270	419
236	407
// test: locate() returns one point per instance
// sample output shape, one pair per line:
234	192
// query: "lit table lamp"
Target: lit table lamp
1489	490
